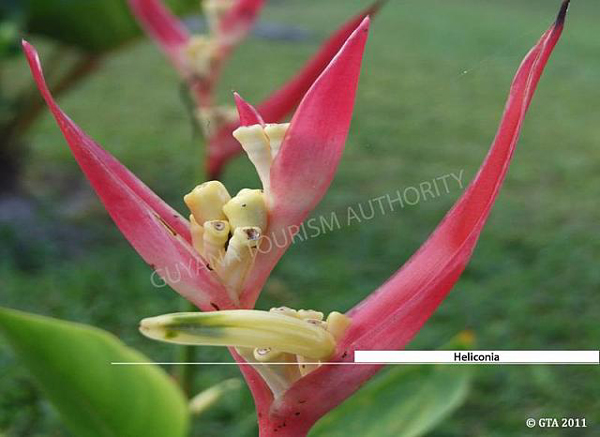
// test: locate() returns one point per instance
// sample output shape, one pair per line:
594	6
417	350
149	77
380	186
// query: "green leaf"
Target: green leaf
405	401
72	363
92	25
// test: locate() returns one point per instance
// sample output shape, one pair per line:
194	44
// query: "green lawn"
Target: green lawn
434	83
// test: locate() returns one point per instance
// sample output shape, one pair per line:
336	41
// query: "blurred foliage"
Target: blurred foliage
10	27
9	36
92	25
206	399
72	363
404	401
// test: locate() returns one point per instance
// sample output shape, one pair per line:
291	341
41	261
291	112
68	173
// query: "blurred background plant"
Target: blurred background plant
432	91
79	34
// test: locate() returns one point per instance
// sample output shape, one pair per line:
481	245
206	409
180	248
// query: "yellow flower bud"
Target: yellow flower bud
239	257
206	201
197	232
247	209
216	234
282	345
337	323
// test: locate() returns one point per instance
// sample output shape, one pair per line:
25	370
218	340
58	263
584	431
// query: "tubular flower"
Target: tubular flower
290	400
282	344
222	256
199	61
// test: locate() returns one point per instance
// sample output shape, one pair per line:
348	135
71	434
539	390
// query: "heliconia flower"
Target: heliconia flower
222	256
199	58
293	374
192	55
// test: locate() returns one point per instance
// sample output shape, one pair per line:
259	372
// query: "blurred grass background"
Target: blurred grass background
434	83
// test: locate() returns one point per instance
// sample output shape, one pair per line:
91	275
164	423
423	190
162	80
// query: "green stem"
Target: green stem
185	374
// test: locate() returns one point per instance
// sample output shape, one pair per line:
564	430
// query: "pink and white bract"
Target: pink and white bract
299	177
173	38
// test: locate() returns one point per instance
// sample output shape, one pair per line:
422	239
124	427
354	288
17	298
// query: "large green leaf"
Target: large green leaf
71	362
405	401
93	25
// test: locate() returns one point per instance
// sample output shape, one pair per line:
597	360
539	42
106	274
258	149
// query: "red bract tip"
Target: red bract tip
286	98
248	114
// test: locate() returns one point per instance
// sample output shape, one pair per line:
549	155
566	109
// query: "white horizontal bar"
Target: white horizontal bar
479	357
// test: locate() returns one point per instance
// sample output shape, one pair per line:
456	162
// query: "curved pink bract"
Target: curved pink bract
248	115
156	231
306	163
282	101
404	302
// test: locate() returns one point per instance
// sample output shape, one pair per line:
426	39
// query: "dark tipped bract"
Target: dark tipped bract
562	14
